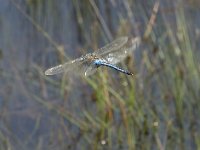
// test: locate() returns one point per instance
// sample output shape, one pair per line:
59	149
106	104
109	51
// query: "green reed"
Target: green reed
157	108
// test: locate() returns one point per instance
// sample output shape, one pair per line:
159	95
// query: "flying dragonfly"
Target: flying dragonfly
107	56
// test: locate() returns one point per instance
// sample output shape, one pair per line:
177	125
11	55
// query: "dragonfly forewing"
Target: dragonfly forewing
81	65
68	66
54	70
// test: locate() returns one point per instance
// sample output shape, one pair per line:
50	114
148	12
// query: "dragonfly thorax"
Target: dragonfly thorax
90	57
94	59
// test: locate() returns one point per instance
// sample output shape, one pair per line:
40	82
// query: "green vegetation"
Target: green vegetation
158	108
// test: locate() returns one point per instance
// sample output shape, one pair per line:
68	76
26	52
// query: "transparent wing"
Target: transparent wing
115	57
63	67
54	70
77	66
90	70
113	46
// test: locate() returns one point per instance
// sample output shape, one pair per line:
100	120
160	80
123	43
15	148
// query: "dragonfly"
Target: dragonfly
107	56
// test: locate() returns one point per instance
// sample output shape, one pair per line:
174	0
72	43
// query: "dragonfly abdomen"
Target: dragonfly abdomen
100	62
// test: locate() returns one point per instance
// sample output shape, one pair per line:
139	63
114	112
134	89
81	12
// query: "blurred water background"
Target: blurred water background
158	108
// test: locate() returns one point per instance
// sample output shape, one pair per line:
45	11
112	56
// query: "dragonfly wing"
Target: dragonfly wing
54	70
90	70
113	46
66	67
115	57
77	66
120	54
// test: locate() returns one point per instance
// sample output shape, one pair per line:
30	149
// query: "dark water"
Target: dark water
26	51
